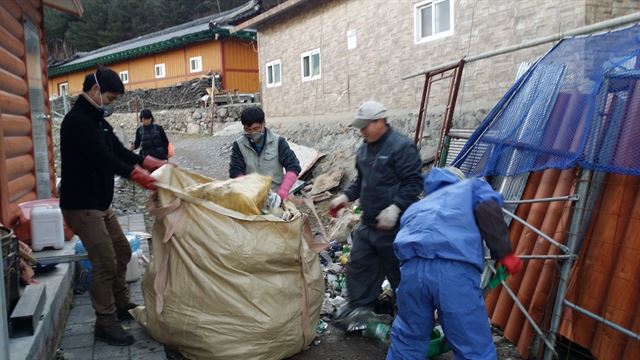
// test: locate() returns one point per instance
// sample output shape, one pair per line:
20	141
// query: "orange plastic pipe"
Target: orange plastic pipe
525	246
532	276
593	279
515	230
543	299
624	290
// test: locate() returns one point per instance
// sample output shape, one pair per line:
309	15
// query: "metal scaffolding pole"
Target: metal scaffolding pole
603	25
526	314
546	257
549	199
599	318
537	231
575	235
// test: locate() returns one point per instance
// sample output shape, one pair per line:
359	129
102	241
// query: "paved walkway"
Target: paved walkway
78	340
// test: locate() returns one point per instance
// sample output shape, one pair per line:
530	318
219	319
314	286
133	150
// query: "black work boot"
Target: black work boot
113	334
123	312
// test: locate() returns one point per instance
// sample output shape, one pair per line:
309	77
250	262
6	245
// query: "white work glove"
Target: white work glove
337	204
339	201
388	217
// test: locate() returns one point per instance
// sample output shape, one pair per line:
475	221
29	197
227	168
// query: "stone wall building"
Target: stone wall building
327	56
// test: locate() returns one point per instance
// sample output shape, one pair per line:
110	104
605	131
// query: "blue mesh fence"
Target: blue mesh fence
578	105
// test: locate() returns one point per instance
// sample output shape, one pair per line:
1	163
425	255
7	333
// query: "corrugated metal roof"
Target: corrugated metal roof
269	15
534	284
605	279
179	35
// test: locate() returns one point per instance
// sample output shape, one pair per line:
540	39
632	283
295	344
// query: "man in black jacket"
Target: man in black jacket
91	155
387	182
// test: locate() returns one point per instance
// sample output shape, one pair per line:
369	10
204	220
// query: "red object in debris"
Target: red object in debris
333	212
23	230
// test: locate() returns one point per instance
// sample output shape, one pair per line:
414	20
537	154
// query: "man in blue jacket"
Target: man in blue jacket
387	182
440	249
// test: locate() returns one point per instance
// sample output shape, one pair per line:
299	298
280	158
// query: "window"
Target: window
195	64
433	20
124	76
63	88
160	71
274	74
311	65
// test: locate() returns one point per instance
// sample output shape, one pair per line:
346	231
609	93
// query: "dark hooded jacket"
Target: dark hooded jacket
388	173
91	155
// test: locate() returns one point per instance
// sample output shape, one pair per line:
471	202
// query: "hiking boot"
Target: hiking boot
114	335
123	312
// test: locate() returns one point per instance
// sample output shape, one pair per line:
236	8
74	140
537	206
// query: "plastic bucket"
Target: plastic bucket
11	267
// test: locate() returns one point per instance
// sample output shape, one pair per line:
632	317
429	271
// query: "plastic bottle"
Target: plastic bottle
438	344
46	227
344	258
377	330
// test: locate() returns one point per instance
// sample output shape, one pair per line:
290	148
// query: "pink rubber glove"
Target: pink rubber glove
288	180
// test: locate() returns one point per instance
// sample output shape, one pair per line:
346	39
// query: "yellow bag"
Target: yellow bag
246	195
223	285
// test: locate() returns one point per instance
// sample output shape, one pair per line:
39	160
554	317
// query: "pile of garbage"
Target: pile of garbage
334	262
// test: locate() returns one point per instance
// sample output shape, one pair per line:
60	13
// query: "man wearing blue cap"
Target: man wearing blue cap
387	182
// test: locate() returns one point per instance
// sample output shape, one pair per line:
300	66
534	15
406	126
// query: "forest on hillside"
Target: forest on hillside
106	22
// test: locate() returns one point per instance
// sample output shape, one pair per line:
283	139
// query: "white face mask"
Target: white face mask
106	110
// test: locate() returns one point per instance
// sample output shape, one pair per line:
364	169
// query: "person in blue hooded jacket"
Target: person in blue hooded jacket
440	249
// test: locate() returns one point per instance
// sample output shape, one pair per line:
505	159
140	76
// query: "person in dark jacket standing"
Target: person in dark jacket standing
91	155
151	138
264	152
388	181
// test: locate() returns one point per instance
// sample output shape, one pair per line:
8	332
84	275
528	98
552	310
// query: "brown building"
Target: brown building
171	56
26	148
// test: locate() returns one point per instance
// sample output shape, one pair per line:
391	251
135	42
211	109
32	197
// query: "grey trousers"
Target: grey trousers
109	253
371	259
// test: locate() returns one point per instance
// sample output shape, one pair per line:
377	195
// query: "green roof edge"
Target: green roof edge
151	49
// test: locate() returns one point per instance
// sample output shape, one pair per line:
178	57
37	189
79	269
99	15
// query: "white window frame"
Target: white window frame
309	54
160	74
417	19
272	65
64	85
124	76
198	63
